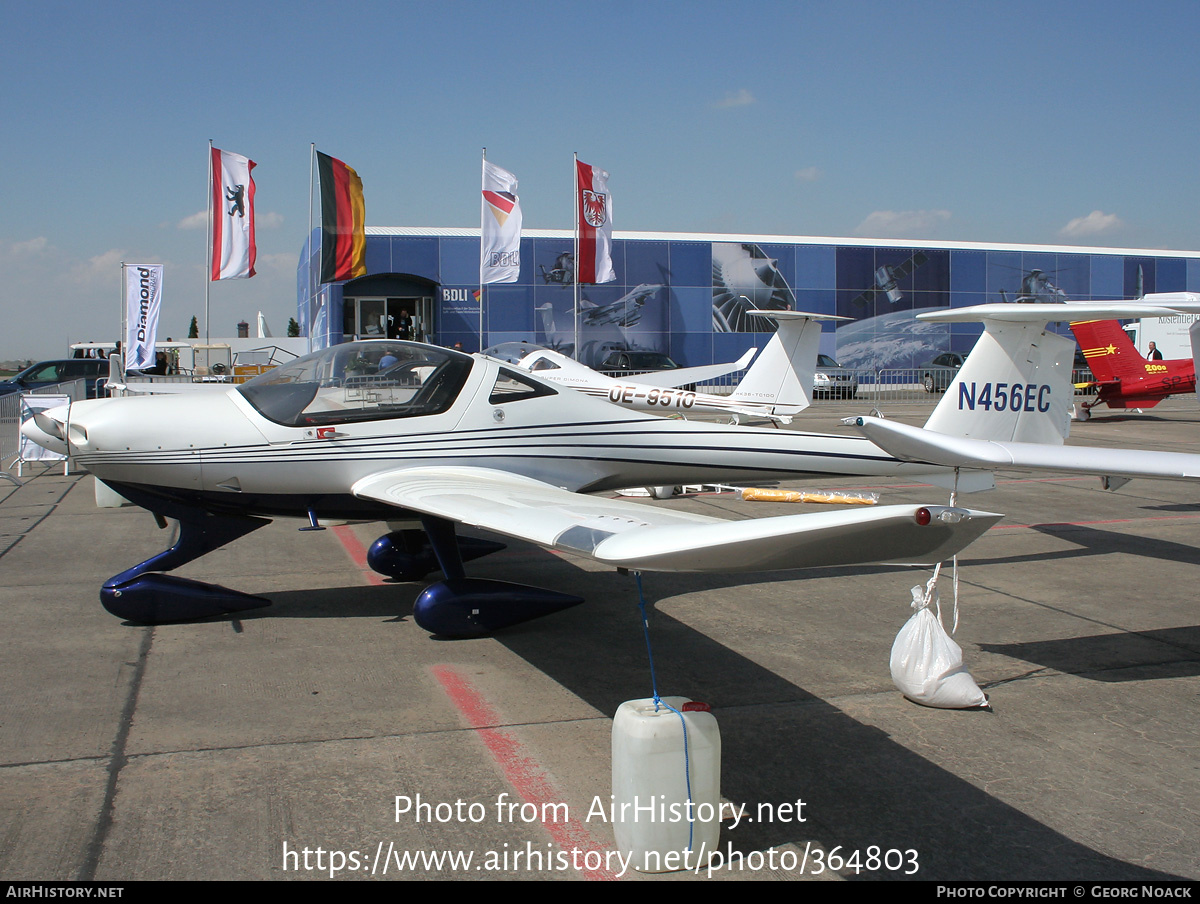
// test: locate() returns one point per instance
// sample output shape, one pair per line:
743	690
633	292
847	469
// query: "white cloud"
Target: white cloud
284	263
29	247
1093	224
901	224
268	220
103	269
808	174
194	221
741	98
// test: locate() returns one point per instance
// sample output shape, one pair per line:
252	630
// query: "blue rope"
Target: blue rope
658	701
646	632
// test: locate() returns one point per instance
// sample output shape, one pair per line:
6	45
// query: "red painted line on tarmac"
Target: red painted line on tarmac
357	552
521	770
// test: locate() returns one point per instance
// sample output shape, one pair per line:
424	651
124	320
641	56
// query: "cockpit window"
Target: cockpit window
544	364
360	381
511	386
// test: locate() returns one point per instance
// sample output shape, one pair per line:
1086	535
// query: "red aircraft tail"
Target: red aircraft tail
1109	351
1124	379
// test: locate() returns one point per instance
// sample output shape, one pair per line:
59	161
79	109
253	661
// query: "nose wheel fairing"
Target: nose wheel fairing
156	599
141	595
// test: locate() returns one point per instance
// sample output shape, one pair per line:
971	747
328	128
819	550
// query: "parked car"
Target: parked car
620	362
51	373
834	381
941	371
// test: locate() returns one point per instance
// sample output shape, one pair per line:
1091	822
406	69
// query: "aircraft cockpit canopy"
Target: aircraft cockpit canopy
357	381
511	352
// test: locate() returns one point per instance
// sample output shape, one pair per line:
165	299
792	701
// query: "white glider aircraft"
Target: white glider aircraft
392	430
777	386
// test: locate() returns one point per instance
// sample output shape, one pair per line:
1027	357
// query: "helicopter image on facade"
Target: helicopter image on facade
1036	288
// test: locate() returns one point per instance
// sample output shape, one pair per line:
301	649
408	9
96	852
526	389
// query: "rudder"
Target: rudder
1109	351
1014	387
784	371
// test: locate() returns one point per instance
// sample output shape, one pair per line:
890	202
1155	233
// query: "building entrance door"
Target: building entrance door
389	318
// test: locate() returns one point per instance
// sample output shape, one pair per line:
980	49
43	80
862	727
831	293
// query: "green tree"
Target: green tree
194	329
293	328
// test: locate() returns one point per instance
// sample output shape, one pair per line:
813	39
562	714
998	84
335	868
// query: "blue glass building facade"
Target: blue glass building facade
687	295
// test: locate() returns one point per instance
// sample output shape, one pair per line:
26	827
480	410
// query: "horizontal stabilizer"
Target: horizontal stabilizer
919	445
1064	313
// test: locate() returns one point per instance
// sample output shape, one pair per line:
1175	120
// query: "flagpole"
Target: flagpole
312	160
208	242
575	268
121	338
483	185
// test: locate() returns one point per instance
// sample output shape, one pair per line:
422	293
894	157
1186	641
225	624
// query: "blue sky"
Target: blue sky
1048	122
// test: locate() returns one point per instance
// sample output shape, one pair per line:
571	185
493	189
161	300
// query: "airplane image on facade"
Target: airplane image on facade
626	311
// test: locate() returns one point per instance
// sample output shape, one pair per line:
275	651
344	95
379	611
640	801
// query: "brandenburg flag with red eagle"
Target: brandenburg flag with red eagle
343	221
594	225
233	249
500	236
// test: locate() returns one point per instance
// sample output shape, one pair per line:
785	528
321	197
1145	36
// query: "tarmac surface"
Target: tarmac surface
274	744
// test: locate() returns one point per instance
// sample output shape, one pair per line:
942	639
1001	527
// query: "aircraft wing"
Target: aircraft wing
637	536
910	443
681	375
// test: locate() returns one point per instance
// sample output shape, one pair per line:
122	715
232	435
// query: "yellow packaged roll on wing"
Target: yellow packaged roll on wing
752	494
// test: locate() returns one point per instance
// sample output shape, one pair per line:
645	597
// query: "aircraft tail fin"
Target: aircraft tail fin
1109	351
1014	387
784	371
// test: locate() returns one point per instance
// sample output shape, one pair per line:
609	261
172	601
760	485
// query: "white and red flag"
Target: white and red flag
500	236
594	224
233	249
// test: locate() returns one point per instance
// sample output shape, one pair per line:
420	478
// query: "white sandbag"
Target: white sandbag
927	665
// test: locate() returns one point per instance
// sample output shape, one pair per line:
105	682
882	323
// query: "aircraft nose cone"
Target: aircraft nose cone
48	429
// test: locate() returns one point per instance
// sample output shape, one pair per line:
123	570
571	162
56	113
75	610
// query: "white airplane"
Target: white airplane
1010	404
390	430
777	386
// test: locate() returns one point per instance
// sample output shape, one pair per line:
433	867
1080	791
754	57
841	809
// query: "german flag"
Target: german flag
343	234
